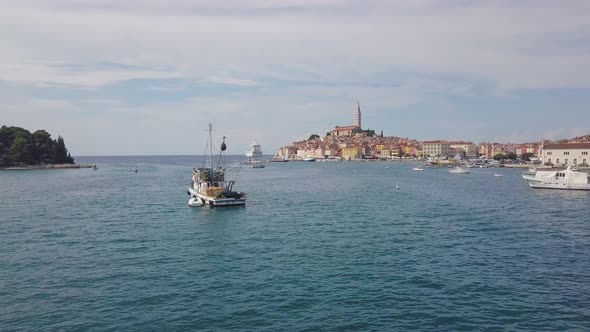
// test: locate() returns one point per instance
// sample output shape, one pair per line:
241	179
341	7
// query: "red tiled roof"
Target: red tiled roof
345	128
438	141
566	146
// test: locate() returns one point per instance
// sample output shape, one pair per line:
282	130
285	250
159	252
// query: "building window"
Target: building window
583	161
565	162
557	161
549	160
584	153
575	161
566	153
549	153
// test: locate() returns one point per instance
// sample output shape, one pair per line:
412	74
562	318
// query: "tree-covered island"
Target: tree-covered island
20	148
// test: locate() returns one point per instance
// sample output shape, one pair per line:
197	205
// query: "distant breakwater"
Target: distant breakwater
52	166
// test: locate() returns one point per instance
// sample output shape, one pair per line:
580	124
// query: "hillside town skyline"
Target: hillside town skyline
349	142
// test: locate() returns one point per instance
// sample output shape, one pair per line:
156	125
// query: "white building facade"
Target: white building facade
436	148
564	154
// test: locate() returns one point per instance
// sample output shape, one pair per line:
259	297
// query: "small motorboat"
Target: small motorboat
459	170
94	167
498	175
195	202
257	164
311	159
418	168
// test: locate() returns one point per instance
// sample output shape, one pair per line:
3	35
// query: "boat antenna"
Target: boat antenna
211	151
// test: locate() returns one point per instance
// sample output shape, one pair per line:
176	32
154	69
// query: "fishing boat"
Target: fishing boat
459	170
209	185
559	179
418	168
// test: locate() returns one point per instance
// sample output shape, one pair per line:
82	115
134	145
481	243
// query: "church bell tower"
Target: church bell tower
357	115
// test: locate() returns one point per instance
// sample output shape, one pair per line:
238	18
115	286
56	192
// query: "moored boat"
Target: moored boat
257	164
559	179
459	170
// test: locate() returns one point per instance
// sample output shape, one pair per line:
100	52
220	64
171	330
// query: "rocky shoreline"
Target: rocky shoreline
51	166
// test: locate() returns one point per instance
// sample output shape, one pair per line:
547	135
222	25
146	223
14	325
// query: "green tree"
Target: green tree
313	137
44	146
21	151
369	132
498	156
510	155
60	152
3	157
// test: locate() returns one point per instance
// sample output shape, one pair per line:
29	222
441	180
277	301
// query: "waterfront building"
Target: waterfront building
437	148
385	153
352	153
380	147
286	152
485	149
527	148
396	151
467	148
410	150
563	154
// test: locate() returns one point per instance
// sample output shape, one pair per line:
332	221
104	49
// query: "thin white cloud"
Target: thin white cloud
230	81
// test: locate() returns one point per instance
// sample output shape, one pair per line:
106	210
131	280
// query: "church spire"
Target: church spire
357	115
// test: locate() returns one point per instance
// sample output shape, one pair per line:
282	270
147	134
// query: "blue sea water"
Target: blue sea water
319	247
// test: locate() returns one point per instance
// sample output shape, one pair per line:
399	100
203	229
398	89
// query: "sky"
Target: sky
143	77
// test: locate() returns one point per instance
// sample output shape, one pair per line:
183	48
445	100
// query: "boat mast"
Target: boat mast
211	151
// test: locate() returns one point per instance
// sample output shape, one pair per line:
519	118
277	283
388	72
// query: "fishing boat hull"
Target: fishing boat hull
214	201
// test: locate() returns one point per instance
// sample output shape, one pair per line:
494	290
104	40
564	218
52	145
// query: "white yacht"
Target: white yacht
254	151
208	185
459	170
530	171
559	179
418	168
309	159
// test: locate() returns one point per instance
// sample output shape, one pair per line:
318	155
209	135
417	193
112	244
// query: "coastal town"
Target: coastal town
354	143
